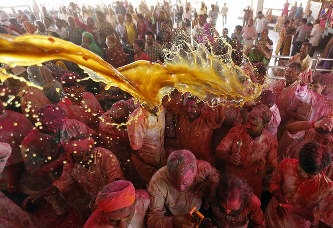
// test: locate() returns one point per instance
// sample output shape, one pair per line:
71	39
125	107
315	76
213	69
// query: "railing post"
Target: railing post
317	62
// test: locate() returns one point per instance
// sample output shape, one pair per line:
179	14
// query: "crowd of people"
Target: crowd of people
75	153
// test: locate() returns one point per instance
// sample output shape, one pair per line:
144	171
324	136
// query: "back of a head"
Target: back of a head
304	21
314	158
229	183
295	65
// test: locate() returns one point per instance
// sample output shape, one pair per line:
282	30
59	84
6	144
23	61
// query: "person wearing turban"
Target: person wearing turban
42	76
14	127
87	167
119	205
80	105
177	187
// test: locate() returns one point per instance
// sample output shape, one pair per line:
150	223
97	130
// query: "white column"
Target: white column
260	6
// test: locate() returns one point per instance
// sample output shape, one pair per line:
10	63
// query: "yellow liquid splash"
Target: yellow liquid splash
196	71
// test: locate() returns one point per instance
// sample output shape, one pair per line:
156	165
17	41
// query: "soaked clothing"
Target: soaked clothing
315	195
87	112
104	170
196	135
146	136
258	156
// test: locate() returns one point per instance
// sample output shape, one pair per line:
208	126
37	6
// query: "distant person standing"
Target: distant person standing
315	36
285	9
212	15
299	12
224	12
292	11
260	23
309	17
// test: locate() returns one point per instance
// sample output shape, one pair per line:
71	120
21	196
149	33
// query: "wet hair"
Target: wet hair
304	20
194	98
231	182
314	158
140	16
265	113
260	68
140	43
239	28
268	98
179	159
296	65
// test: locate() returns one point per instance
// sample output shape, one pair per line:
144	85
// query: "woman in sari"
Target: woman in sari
114	54
131	29
88	41
286	34
42	76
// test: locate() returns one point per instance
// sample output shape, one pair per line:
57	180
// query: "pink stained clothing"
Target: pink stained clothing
252	212
302	138
14	127
32	99
285	97
104	170
87	112
196	136
97	219
273	125
12	216
316	100
38	149
314	195
146	136
258	155
115	138
249	32
166	201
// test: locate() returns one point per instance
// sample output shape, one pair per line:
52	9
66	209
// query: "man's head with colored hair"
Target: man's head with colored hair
313	159
182	167
259	116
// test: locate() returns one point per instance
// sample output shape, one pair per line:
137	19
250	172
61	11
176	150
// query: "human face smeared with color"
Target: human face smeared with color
232	203
121	218
193	109
84	157
254	124
75	92
183	176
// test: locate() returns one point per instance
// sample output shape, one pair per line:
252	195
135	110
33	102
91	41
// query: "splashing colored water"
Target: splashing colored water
197	72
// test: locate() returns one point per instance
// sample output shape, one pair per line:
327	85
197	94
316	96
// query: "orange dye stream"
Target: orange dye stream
196	71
